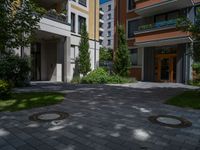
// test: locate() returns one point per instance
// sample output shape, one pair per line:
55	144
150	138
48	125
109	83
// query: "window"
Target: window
109	42
109	34
197	10
160	18
134	57
109	7
173	15
81	22
73	52
109	25
131	4
109	16
73	24
132	27
83	2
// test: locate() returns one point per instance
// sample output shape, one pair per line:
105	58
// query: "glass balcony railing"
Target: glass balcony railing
58	17
158	25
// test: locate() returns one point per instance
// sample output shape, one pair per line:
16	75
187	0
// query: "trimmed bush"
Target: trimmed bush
14	69
76	80
5	90
100	76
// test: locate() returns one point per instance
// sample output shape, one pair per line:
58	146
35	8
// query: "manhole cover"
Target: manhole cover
170	121
49	116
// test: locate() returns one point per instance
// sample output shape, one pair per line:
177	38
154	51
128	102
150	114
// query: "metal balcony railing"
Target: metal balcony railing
158	25
53	15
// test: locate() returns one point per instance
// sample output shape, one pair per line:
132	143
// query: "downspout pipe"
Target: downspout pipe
95	44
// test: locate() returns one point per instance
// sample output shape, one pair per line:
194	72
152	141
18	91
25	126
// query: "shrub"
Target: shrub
5	89
76	80
115	79
14	69
100	76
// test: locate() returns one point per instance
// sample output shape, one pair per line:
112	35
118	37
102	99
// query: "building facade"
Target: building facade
55	51
107	24
159	51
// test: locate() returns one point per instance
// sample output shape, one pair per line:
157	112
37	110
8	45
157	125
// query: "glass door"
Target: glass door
165	69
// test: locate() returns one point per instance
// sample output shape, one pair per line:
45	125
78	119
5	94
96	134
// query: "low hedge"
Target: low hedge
100	76
5	90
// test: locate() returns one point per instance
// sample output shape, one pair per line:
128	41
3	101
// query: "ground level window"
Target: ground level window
134	56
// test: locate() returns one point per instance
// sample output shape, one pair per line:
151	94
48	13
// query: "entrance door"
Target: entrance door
36	62
166	67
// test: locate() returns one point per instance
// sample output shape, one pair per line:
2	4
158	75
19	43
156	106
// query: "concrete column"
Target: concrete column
67	61
59	61
142	63
188	63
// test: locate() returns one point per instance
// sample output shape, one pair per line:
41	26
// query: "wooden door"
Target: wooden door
165	67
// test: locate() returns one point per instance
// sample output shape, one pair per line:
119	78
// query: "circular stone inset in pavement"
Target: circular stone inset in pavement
170	121
49	116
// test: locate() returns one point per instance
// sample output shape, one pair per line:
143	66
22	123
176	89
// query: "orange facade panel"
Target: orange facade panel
136	73
131	43
160	35
196	1
146	3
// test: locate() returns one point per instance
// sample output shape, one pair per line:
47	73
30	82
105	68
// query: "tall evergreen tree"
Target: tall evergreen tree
84	54
122	56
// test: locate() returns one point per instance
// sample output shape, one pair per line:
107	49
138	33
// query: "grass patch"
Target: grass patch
22	101
189	99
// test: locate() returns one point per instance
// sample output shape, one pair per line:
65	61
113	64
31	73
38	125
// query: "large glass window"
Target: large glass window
131	4
134	57
109	7
197	10
73	22
109	16
132	27
81	22
83	2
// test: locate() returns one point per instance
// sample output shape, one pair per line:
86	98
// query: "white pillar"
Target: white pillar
67	60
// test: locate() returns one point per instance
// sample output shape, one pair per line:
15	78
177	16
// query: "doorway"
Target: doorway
36	62
165	67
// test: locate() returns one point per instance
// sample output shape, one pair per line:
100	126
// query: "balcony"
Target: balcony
58	17
152	7
101	20
101	12
169	24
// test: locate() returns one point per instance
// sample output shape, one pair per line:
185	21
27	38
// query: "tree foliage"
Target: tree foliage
84	54
122	56
106	54
19	19
187	25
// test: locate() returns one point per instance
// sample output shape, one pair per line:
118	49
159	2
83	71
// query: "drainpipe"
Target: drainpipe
95	44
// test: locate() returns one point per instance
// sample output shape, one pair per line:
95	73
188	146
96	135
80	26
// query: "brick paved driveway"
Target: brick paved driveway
103	117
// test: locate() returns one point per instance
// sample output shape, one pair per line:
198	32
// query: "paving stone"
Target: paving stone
103	117
8	147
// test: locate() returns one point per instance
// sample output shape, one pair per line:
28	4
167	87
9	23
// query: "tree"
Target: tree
106	54
194	28
19	20
84	54
122	56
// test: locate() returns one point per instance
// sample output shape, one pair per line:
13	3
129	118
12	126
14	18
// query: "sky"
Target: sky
103	1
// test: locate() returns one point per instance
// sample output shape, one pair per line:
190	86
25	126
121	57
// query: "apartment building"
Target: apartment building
107	24
54	54
159	51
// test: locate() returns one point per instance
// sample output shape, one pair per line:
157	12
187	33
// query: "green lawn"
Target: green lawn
21	101
189	99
